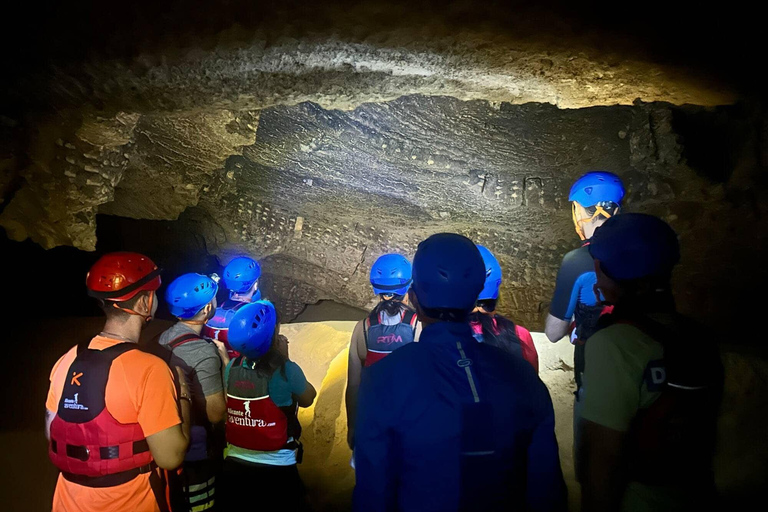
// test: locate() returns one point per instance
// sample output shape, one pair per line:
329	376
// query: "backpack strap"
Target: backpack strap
184	338
410	318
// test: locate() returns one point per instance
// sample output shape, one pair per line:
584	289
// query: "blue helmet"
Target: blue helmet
492	275
597	187
252	329
241	273
448	272
391	274
188	294
635	245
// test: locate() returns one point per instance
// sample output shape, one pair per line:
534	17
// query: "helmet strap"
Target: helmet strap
579	223
146	318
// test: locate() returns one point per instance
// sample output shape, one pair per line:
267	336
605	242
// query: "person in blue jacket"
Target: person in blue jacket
450	424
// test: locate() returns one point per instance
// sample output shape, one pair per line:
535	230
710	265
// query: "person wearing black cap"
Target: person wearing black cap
448	423
652	381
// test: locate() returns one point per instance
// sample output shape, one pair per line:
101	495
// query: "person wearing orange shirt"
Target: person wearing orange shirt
112	416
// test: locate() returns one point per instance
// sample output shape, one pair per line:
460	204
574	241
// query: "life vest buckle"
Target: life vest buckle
82	453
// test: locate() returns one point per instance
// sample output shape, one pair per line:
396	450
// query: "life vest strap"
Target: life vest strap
109	480
184	338
83	453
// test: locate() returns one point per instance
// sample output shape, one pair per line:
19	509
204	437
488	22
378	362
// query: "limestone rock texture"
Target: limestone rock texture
318	137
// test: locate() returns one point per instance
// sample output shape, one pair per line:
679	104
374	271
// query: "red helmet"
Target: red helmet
118	276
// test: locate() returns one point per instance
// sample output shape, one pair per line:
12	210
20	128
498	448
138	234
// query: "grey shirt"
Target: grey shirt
200	361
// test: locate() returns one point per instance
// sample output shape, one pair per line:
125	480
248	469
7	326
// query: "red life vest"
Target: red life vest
254	422
522	337
88	444
382	339
217	328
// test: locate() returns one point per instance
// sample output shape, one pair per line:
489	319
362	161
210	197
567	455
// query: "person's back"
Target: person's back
264	391
652	382
111	412
501	332
241	278
451	452
657	378
449	423
494	329
391	325
385	331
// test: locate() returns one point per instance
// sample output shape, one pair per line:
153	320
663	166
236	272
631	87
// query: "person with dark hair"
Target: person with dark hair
450	424
264	391
652	381
192	299
493	328
391	325
111	416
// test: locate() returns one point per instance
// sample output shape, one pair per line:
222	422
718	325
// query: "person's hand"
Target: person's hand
222	351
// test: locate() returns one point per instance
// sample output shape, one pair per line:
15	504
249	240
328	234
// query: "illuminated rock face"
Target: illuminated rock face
450	118
318	195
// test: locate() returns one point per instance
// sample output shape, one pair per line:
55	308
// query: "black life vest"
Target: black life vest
88	444
673	440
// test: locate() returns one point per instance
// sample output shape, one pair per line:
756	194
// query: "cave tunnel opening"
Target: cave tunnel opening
318	153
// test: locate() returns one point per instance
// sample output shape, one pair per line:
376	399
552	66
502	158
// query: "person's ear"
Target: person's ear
142	305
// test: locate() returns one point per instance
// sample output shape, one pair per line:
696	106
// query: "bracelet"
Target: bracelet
187	398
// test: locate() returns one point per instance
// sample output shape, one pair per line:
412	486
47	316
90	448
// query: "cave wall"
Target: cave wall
317	195
319	136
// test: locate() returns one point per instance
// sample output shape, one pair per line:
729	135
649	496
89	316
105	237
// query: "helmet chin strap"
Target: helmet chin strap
146	318
579	222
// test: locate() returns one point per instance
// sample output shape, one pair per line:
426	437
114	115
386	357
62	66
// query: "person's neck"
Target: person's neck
590	228
128	330
243	297
196	327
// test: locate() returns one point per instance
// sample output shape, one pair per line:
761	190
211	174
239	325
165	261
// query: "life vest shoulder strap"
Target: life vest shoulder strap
83	348
373	319
183	339
410	317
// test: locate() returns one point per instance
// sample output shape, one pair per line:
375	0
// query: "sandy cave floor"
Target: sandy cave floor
321	348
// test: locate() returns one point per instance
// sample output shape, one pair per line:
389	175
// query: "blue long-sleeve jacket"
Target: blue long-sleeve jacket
425	440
